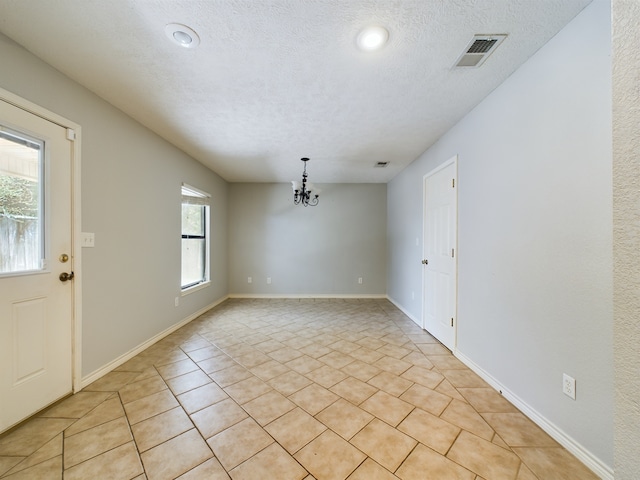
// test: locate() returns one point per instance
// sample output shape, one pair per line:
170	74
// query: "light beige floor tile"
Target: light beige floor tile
418	359
201	397
390	383
315	351
268	407
430	430
8	463
344	346
371	343
121	462
138	364
185	451
194	344
96	441
525	474
446	388
146	407
230	375
330	457
433	349
344	418
209	470
285	354
423	463
487	400
269	370
295	429
464	379
248	389
188	381
392	365
366	355
554	463
205	353
423	376
313	398
304	364
75	406
518	431
103	413
272	462
111	382
384	444
394	351
361	370
29	437
156	430
141	389
269	346
354	390
252	359
387	407
447	362
370	470
484	458
464	416
48	470
215	364
336	359
289	382
326	376
215	418
239	442
426	399
49	450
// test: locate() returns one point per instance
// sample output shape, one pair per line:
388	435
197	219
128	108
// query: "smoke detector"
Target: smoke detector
479	49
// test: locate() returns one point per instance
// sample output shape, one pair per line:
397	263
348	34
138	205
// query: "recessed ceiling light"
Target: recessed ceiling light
182	35
372	38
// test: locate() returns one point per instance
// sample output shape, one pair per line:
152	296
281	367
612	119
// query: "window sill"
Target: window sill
195	288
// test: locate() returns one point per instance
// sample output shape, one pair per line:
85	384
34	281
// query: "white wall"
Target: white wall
131	181
535	232
626	235
320	250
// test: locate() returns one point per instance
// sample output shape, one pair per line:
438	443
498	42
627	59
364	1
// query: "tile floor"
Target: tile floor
288	390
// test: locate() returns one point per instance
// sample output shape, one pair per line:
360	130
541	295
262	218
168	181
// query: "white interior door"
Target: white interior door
440	237
35	249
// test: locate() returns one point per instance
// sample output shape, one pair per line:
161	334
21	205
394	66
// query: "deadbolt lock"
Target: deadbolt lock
64	258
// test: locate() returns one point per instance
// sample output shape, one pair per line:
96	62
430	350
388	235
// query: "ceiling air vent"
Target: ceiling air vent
381	164
478	49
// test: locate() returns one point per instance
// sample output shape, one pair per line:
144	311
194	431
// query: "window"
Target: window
21	205
195	237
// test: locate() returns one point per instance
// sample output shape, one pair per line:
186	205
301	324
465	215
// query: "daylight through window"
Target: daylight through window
195	237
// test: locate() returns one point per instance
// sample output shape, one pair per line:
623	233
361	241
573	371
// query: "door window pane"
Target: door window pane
21	187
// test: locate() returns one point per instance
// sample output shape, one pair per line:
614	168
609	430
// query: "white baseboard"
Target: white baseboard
92	377
306	295
585	456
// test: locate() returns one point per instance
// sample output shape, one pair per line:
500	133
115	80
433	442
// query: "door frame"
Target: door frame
453	160
76	217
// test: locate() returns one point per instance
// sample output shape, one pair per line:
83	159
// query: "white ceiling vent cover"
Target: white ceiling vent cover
478	49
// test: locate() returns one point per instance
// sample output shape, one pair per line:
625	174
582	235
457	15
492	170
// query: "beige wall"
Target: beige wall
626	236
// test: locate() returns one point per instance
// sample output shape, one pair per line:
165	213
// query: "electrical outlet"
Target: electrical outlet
569	386
359	280
249	279
268	280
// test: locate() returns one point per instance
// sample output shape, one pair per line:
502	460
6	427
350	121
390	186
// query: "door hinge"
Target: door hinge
453	183
452	321
452	253
71	134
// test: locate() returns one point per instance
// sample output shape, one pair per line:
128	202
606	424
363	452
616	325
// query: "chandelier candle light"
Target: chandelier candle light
305	193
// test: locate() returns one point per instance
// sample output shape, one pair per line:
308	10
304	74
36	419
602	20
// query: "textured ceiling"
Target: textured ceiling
276	80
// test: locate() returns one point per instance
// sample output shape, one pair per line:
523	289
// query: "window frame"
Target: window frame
194	196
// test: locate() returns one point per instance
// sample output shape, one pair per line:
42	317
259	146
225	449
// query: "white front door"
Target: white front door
440	236
35	249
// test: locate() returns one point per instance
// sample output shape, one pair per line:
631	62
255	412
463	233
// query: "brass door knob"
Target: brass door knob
64	276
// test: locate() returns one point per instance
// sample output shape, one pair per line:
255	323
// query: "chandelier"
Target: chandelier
302	192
